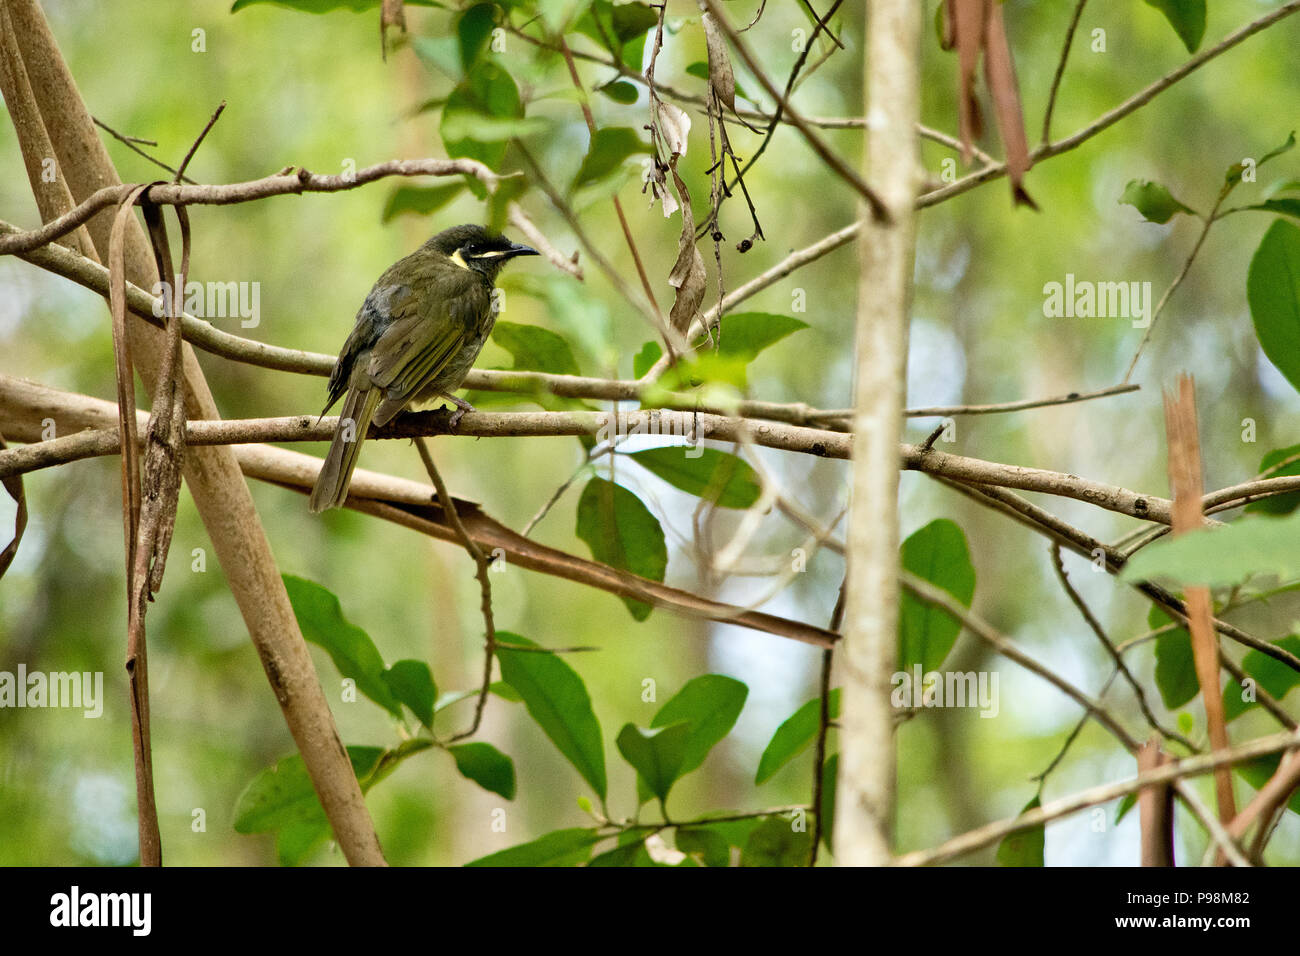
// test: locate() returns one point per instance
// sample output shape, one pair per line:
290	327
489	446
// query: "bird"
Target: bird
417	334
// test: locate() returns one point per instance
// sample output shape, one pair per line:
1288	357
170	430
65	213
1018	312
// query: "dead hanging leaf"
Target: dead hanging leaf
14	485
721	77
674	127
687	275
688	278
977	26
1000	70
966	27
165	434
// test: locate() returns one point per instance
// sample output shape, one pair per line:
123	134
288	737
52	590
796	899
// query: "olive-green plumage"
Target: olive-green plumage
416	337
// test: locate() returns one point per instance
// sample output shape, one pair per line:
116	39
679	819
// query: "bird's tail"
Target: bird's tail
331	487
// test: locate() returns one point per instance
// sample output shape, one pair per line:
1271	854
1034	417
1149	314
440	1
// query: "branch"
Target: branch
281	184
24	404
1179	769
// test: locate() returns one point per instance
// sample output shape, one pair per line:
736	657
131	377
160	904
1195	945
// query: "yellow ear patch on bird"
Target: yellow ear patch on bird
457	258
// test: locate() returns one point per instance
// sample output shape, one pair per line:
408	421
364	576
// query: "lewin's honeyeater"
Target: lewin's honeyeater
417	335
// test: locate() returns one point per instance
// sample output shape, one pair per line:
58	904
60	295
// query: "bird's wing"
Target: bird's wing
419	342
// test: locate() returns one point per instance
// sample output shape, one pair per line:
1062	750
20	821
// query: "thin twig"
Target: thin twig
1086	613
448	505
130	143
1178	280
1060	70
618	205
180	173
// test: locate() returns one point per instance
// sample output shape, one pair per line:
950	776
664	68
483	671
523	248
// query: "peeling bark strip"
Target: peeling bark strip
212	474
1185	484
1156	808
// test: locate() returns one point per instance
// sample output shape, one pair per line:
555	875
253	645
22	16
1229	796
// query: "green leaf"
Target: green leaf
1287	206
559	848
1024	847
350	648
443	54
798	731
419	200
620	91
621	532
745	334
558	700
620	29
1153	201
296	842
1175	668
557	15
1233	176
489	129
485	765
1187	17
644	359
608	149
658	755
709	705
473	30
830	780
412	683
630	853
705	844
775	842
488	93
1273	290
283	795
1278	504
536	349
1257	772
327	6
1218	556
704	472
1125	805
938	554
1269	673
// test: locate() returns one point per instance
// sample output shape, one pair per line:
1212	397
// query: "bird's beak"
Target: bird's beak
518	249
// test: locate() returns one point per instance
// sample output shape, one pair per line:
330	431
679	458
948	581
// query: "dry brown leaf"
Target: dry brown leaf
967	18
721	76
687	275
1000	70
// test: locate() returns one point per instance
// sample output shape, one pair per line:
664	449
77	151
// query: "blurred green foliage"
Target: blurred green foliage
313	91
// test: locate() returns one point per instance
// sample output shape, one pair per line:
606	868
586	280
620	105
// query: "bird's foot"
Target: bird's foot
462	407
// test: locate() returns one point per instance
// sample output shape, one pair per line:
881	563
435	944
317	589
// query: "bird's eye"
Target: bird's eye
472	248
